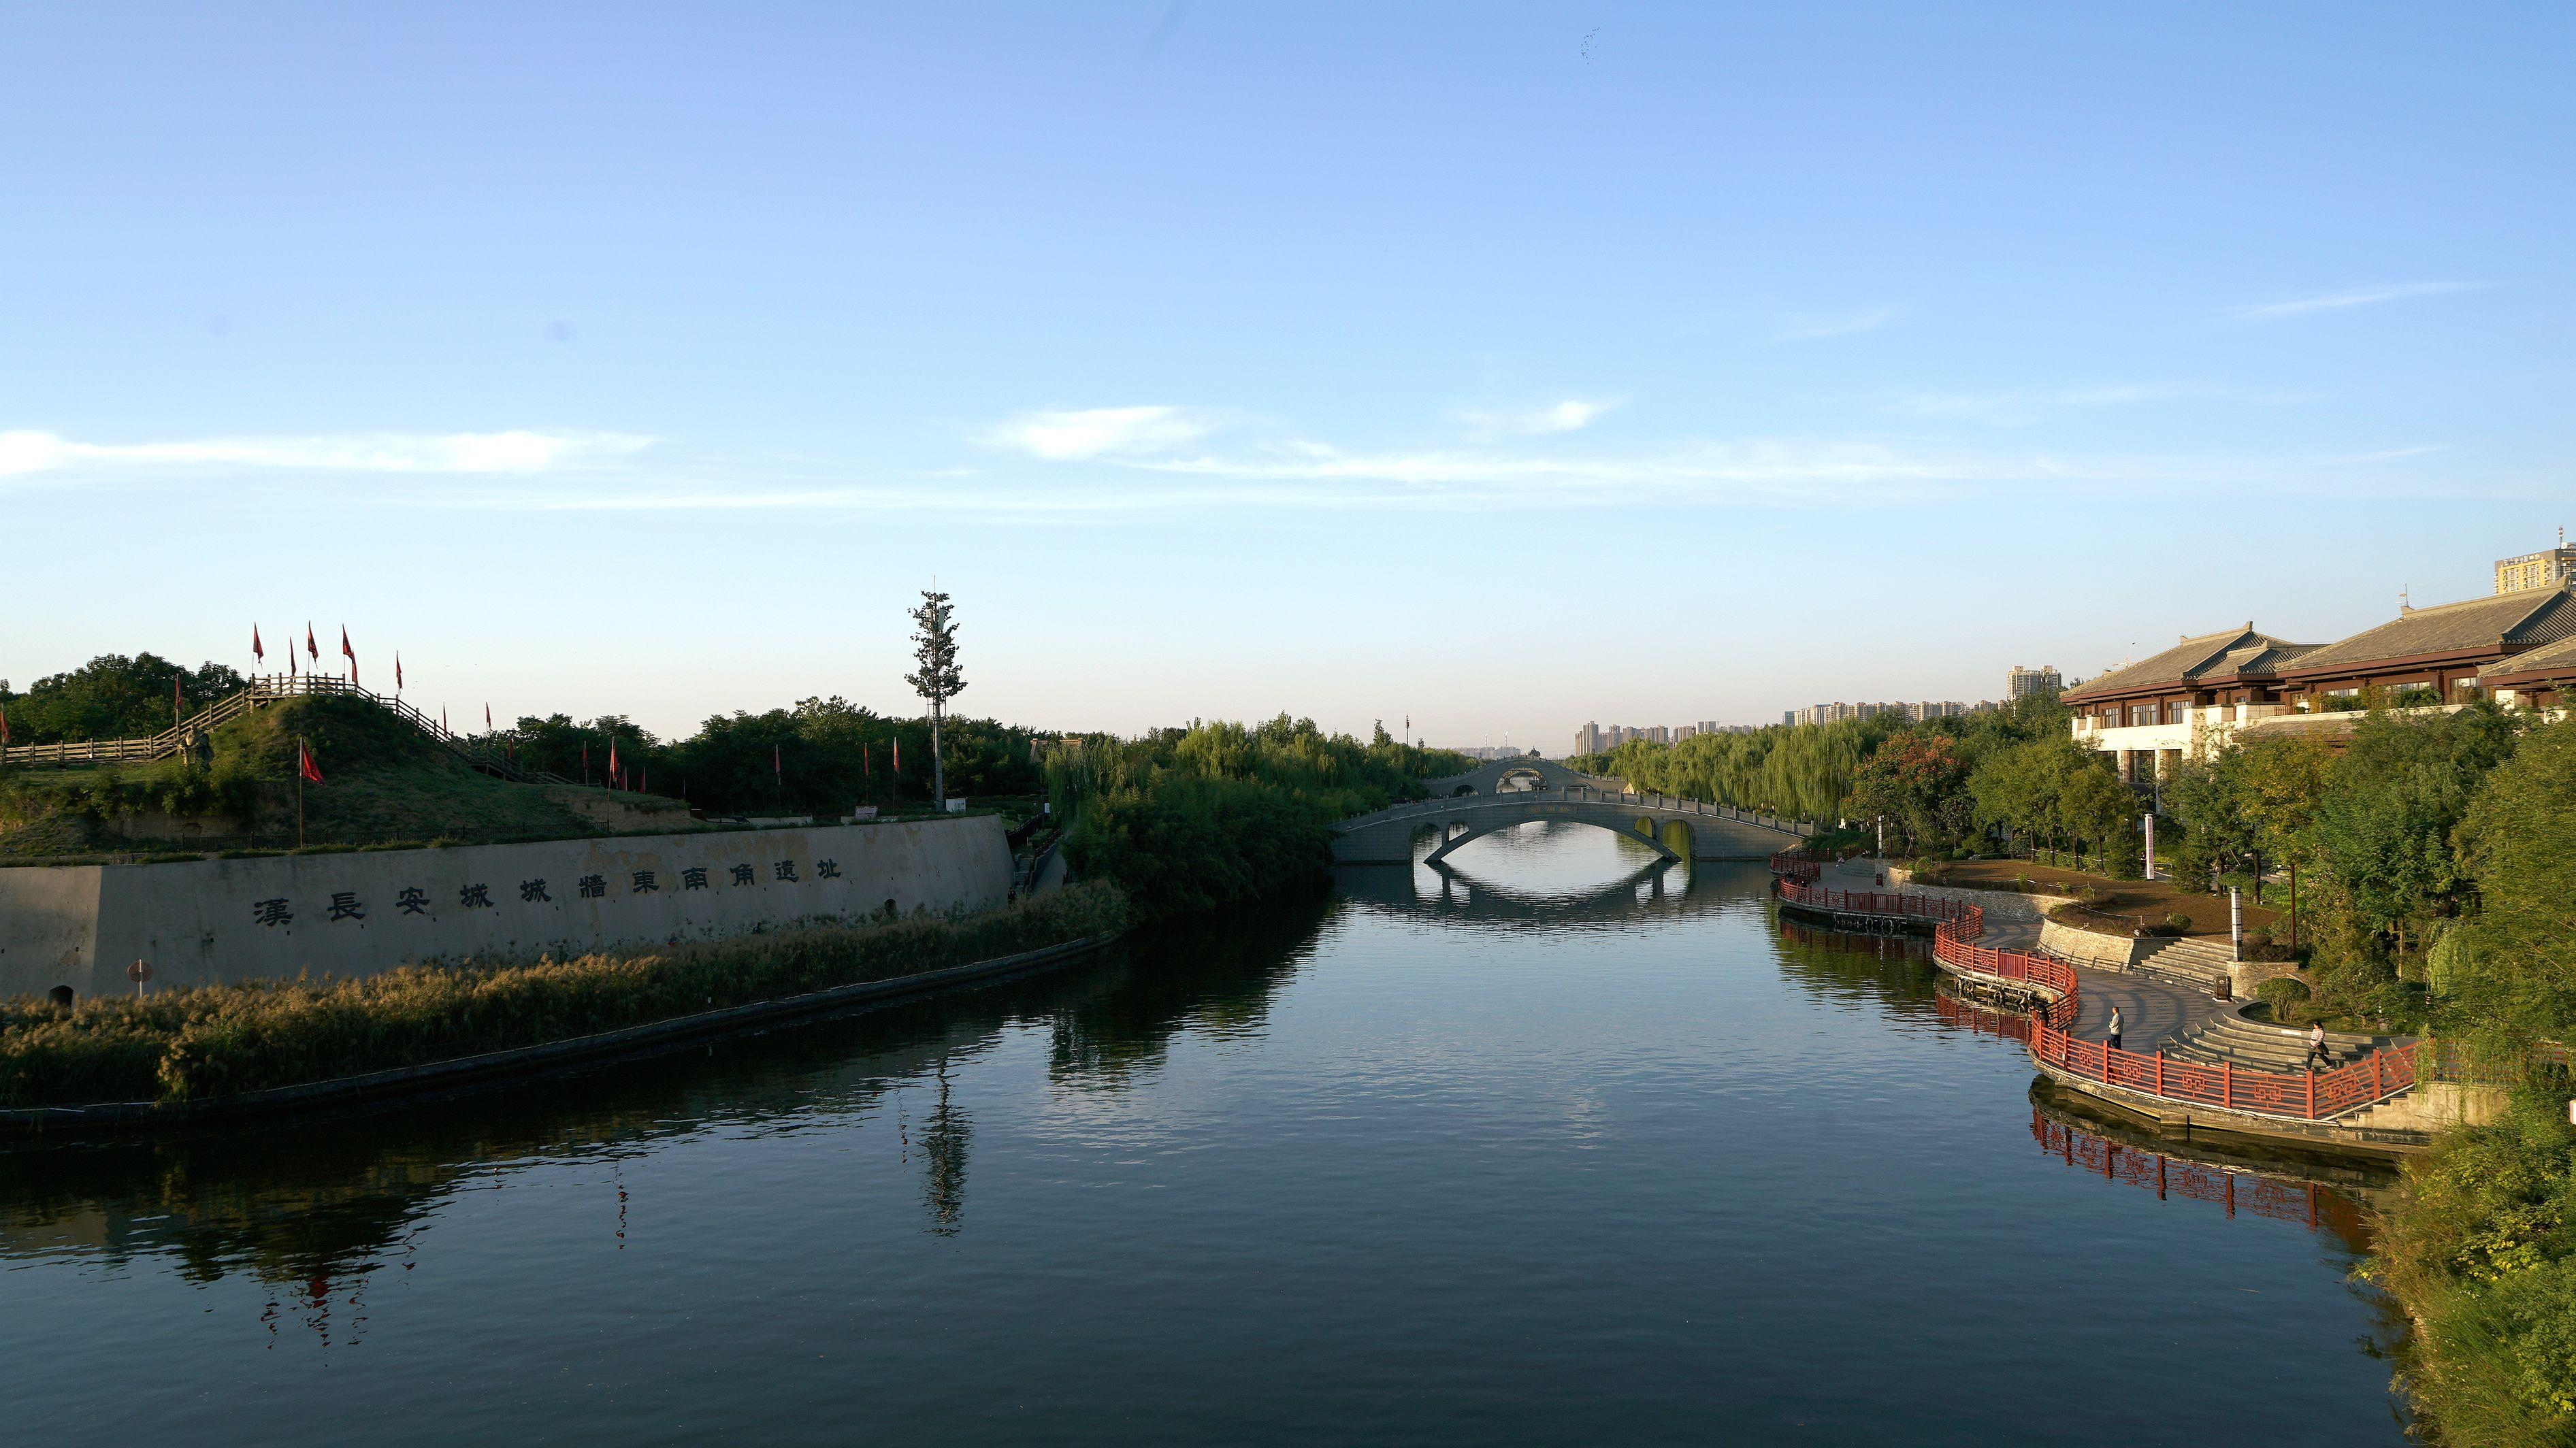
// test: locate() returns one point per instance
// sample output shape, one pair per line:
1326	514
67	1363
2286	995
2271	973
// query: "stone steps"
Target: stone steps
2240	1042
2199	963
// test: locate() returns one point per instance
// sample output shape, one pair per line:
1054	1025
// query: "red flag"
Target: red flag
585	761
612	764
775	767
178	699
487	716
352	654
867	760
646	786
256	652
305	764
442	709
898	755
312	650
4	724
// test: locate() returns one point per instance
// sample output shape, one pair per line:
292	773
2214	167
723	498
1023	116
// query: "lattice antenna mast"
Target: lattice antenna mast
938	679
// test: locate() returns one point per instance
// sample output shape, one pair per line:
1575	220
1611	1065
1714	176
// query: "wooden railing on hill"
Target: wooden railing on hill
2299	1095
259	693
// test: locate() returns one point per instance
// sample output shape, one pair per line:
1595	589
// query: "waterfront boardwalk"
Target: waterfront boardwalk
2154	1011
2185	1058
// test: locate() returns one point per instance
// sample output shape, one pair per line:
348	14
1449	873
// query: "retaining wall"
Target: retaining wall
357	913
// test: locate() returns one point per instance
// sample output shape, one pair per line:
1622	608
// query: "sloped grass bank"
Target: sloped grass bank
208	1042
386	783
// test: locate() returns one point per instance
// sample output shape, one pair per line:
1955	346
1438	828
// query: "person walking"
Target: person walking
2317	1047
2115	1028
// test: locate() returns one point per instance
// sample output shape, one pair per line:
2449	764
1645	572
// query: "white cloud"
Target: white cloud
1810	327
25	452
1075	434
1571	415
2358	297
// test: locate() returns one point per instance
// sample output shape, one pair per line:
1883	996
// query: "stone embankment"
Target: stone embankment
359	912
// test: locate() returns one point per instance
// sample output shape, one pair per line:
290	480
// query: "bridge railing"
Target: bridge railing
1576	794
2298	1095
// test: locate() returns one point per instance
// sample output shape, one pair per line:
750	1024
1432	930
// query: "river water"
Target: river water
1552	1150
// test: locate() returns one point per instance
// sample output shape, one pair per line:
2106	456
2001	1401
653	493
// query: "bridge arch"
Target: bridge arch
1708	831
1487	778
1642	831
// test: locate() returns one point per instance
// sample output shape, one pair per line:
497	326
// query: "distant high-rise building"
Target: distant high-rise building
2021	683
1587	740
2547	569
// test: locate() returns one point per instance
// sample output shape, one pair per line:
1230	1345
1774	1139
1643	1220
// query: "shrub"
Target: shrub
205	1041
2178	922
2282	993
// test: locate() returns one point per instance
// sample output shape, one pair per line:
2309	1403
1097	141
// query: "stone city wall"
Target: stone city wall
359	912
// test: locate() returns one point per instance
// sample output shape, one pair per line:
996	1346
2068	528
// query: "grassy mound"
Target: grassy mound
385	783
211	1041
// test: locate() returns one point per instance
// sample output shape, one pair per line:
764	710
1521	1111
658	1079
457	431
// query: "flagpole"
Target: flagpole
299	791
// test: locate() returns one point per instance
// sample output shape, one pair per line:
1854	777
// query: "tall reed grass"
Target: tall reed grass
211	1041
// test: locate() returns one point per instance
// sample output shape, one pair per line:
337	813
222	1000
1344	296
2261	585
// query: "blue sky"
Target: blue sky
1507	366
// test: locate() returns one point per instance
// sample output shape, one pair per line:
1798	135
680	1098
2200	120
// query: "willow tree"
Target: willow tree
938	679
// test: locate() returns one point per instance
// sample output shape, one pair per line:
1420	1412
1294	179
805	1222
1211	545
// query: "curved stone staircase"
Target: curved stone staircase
2230	1037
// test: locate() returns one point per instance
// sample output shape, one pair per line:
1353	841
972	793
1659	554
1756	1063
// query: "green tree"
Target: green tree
2509	967
2382	827
936	676
1916	782
113	697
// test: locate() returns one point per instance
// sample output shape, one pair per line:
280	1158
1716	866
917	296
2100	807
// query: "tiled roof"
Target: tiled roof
2502	621
2549	661
2218	655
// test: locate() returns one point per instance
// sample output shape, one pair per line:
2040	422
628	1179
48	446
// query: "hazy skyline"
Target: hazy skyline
1506	368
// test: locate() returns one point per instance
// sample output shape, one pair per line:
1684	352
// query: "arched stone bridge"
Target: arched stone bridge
1714	831
1491	777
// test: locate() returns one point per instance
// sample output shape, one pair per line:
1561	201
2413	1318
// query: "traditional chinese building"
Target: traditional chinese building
2544	678
2149	714
2445	649
2515	647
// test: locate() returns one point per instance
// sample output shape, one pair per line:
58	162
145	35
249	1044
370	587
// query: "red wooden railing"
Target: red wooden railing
1871	902
2301	1095
1797	865
2300	1202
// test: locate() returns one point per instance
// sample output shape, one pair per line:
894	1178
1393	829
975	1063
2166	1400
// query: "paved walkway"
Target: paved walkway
2152	1010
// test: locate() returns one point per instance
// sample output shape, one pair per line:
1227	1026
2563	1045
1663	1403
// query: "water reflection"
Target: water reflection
2325	1193
2234	1184
1212	978
1476	886
316	1204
